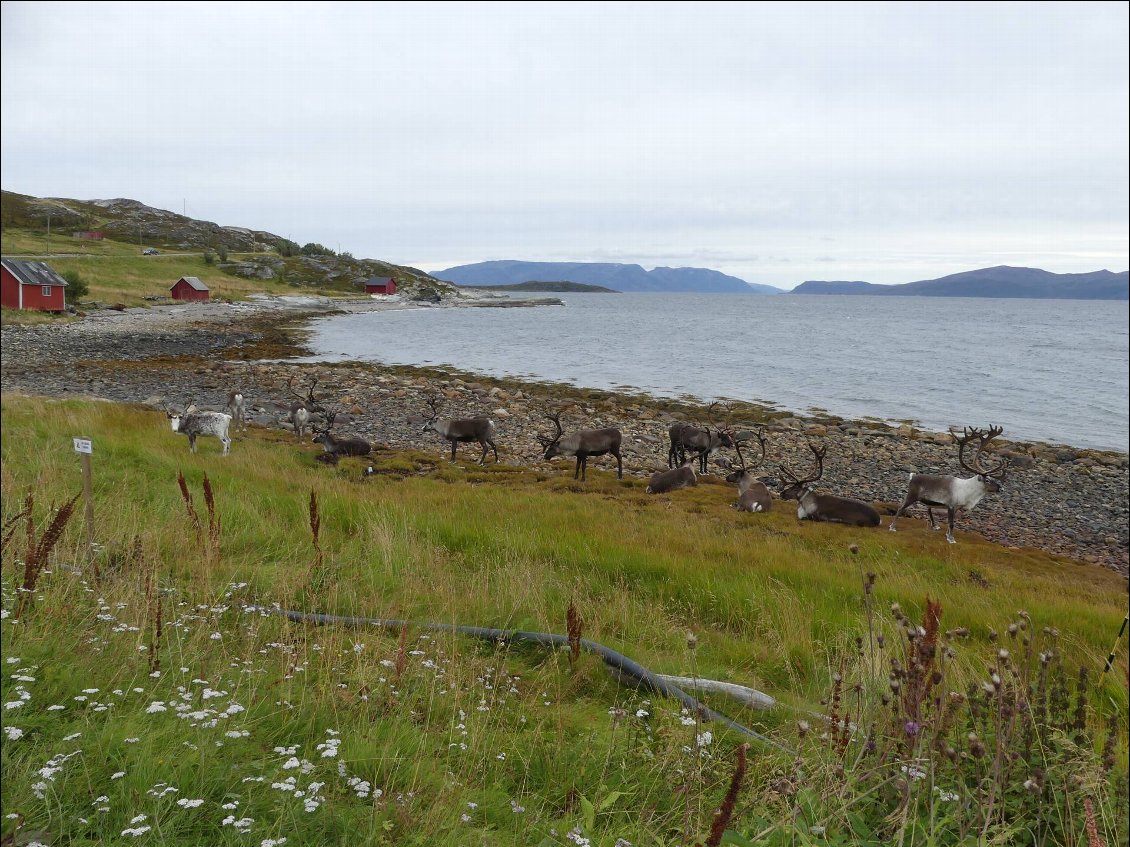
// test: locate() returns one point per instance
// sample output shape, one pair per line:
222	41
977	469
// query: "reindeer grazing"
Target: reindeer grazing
685	437
303	410
673	479
952	492
753	496
456	430
582	444
814	506
237	408
338	447
192	422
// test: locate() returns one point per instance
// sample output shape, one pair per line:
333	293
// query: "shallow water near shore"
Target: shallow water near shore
1047	370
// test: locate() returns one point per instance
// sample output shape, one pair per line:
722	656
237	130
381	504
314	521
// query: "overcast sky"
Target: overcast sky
776	142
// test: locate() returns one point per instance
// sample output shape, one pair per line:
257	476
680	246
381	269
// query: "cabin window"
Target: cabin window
47	291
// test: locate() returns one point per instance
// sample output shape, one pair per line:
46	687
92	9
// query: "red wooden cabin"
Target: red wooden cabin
189	288
31	285
380	285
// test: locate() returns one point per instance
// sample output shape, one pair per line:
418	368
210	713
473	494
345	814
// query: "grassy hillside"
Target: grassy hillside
244	260
118	273
423	738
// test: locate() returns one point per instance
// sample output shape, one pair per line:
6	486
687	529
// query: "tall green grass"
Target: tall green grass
448	721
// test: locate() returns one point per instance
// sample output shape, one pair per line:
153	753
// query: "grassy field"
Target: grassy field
116	272
226	724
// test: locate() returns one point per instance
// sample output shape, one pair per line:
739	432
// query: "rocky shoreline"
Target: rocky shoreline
1068	502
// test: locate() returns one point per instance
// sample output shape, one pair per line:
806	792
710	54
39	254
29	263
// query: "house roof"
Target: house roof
379	280
33	273
191	280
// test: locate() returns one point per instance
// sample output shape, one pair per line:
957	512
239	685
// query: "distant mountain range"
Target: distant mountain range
618	277
1001	281
546	285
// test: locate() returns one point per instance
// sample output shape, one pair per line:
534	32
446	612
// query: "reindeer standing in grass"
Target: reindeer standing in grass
582	444
303	410
236	406
686	438
952	492
194	423
460	430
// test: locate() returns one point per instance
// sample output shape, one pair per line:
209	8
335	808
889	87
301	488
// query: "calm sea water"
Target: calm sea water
1049	370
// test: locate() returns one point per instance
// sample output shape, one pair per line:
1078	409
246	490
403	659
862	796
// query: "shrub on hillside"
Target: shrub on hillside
315	249
77	287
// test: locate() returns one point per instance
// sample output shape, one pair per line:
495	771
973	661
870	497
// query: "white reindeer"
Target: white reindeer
192	422
955	492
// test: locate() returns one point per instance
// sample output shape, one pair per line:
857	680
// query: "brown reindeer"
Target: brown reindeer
352	445
673	479
952	492
753	496
685	437
582	444
813	506
458	430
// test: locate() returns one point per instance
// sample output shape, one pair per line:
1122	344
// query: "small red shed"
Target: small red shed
380	285
31	285
189	288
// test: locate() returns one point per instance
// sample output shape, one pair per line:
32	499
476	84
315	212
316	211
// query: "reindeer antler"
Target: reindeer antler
818	453
434	404
556	418
983	439
310	401
760	436
330	416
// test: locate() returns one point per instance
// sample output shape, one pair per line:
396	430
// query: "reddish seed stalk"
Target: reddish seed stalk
1093	838
573	625
39	551
213	519
726	810
190	508
13	523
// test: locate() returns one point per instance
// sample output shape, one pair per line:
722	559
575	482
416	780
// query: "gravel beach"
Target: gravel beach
1066	501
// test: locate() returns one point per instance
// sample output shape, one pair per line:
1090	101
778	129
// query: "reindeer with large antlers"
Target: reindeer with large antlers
304	409
814	506
458	430
953	492
335	447
753	495
685	437
582	444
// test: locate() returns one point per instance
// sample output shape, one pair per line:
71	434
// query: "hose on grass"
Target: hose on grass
618	661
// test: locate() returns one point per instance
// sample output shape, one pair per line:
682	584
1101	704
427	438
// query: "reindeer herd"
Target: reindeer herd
689	446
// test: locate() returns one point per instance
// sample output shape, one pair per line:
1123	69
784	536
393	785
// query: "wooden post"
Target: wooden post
84	448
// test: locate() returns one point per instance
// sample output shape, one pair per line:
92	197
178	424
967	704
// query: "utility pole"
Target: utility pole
48	232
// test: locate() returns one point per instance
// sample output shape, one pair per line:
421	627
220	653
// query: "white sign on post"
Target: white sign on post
83	445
